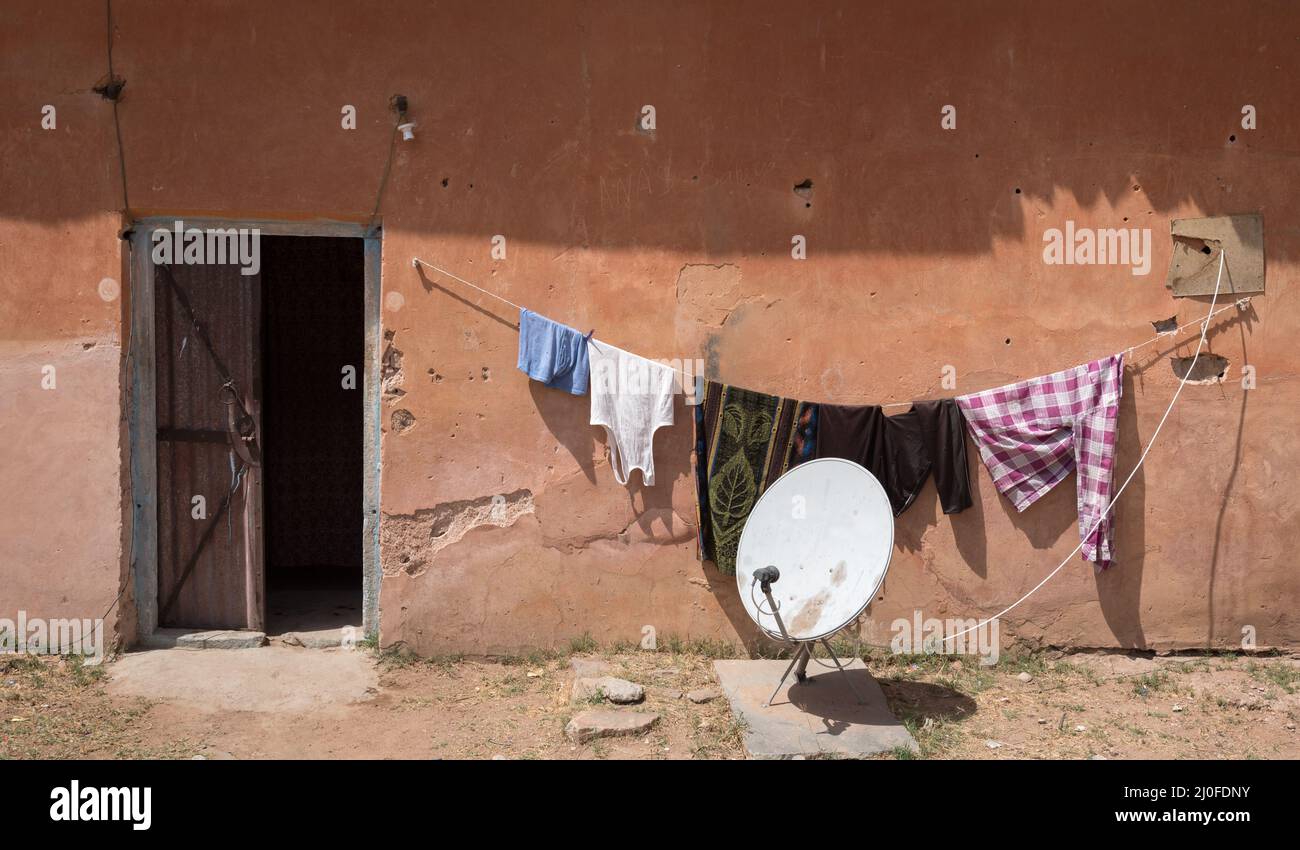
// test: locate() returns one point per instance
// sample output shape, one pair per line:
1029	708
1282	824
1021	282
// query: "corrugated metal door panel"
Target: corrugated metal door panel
220	551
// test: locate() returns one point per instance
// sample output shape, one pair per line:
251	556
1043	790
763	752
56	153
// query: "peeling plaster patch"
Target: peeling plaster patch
706	297
1210	369
403	420
410	542
708	292
391	369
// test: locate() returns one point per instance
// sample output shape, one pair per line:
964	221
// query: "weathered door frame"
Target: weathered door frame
142	413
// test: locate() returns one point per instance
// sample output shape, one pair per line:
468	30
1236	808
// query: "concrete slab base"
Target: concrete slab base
272	679
818	718
201	639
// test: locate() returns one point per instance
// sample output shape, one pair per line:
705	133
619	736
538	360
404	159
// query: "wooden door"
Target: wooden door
207	342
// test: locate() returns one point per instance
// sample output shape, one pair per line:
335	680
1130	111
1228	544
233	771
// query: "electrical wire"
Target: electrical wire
383	182
117	123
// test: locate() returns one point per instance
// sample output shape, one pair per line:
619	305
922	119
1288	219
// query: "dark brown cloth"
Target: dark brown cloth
901	451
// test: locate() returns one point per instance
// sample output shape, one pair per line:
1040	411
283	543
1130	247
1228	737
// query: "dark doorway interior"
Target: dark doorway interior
313	329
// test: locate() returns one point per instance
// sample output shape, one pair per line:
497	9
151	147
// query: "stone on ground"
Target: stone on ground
607	723
589	668
703	695
619	691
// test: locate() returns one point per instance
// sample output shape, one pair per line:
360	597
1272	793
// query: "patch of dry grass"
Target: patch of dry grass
55	707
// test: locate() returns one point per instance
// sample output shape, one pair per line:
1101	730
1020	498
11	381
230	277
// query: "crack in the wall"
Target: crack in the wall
570	545
411	542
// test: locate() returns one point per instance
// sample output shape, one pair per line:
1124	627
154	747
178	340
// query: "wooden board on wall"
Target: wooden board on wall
1198	244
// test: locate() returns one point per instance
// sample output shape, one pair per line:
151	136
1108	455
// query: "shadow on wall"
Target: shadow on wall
1119	589
1227	496
673	446
568	419
822	119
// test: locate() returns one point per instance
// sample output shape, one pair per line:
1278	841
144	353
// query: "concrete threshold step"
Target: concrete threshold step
203	639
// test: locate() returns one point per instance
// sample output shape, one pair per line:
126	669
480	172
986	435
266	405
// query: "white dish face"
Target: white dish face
827	525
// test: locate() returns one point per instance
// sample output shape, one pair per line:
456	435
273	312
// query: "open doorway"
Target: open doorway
313	345
254	431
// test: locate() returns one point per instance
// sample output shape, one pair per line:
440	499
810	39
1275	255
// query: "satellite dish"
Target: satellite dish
814	552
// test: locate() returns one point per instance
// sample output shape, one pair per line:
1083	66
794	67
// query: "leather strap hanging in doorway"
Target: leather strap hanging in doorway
241	428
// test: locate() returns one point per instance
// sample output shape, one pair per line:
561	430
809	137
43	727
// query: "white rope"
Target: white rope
417	261
685	375
1205	325
1240	304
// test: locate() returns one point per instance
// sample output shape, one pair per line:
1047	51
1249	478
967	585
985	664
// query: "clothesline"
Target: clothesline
1240	304
1106	511
417	262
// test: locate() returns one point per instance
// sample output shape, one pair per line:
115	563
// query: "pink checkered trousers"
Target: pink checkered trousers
1031	435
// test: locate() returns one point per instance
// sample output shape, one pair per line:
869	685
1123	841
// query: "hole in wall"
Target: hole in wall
1165	326
403	420
1210	368
109	88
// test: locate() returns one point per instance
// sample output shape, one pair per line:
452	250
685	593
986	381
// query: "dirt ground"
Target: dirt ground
302	703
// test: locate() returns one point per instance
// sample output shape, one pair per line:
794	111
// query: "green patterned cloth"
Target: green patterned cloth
744	441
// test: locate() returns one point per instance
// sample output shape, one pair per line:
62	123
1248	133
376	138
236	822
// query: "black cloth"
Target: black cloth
901	451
